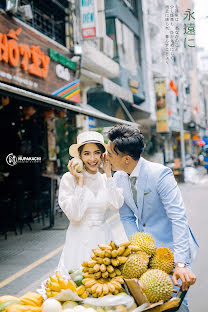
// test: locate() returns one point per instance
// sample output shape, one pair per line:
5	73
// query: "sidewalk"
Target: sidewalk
27	259
18	252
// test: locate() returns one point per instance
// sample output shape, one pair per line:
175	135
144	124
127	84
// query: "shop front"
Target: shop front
34	135
39	105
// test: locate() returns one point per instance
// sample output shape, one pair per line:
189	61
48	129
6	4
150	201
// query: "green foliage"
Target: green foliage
65	135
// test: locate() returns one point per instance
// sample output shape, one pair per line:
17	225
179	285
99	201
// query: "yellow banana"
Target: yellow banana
113	245
94	287
126	244
105	274
122	259
121	250
80	290
105	289
117	285
91	263
71	285
54	286
84	295
127	252
106	261
118	272
110	269
113	274
63	284
54	293
97	275
105	247
53	279
90	283
111	287
114	253
99	260
115	262
96	268
103	268
108	253
99	290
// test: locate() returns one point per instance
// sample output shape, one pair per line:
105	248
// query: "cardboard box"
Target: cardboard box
142	302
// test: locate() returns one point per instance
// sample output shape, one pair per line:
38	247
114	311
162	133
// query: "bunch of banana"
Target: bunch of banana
106	260
101	287
32	299
56	284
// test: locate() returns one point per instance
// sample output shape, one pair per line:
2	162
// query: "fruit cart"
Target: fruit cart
130	277
172	305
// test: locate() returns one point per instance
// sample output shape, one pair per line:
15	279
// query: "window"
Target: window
111	32
49	17
126	44
137	49
126	47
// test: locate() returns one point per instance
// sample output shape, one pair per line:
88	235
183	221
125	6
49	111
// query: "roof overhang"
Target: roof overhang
52	101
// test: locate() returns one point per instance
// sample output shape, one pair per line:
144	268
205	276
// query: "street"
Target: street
28	259
195	197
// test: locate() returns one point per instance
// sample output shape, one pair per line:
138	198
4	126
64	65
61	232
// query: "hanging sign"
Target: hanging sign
162	114
88	18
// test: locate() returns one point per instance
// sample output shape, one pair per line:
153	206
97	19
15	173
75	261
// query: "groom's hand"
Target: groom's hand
186	276
107	167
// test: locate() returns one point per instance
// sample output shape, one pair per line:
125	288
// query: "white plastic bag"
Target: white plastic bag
111	300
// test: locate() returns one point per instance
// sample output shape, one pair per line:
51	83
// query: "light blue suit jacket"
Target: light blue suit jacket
159	211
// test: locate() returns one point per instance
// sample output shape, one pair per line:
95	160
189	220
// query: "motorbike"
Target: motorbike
205	155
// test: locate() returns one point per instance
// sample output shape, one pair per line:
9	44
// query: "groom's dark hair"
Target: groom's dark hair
127	140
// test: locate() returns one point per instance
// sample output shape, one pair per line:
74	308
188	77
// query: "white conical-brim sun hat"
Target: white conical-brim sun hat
84	138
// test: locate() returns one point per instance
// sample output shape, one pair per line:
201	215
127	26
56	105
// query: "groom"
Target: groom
153	201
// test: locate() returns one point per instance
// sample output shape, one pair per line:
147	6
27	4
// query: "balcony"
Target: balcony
99	63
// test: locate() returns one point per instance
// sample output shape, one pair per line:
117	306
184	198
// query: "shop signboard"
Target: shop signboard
88	18
33	61
162	114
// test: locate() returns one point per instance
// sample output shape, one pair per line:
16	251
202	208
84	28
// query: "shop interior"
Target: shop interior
28	188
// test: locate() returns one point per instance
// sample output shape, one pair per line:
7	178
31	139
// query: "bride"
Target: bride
85	197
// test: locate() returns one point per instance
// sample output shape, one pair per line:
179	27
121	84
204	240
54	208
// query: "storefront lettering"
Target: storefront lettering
59	58
62	72
31	59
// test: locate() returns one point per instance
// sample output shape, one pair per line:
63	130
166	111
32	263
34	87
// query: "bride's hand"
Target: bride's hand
78	175
107	167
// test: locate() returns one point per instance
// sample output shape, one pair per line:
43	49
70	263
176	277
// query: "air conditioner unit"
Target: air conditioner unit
25	11
106	46
9	5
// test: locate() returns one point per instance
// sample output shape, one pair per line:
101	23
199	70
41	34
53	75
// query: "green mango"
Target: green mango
78	280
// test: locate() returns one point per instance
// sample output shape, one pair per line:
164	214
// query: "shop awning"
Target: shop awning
108	85
29	95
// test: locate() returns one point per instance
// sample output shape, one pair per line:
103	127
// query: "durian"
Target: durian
163	259
136	265
144	241
156	285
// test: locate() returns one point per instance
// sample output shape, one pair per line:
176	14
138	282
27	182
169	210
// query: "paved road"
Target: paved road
196	200
28	259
